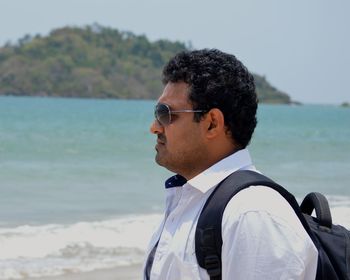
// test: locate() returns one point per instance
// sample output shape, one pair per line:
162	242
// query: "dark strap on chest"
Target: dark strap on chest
208	239
149	262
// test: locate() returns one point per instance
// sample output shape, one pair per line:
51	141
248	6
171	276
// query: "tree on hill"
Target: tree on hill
94	62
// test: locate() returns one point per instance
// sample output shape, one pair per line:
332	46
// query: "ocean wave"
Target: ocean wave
53	249
33	251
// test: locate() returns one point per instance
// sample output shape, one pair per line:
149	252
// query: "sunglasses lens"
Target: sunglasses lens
162	114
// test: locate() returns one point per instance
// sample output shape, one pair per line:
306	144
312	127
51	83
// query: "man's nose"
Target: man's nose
156	127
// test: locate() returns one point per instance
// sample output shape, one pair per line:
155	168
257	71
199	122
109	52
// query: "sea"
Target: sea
79	188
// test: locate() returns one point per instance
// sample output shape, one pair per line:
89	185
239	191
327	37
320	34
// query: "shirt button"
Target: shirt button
159	257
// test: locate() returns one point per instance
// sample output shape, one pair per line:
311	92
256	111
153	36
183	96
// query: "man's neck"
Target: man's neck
189	174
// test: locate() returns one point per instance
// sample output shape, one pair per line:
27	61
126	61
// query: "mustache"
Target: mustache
161	138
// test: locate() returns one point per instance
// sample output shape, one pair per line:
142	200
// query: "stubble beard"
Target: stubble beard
160	159
181	163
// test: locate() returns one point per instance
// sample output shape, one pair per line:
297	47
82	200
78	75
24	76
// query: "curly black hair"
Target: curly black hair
218	80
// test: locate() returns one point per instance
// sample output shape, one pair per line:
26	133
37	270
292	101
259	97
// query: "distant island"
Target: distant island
95	62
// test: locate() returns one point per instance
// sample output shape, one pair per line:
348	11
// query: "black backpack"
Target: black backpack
332	241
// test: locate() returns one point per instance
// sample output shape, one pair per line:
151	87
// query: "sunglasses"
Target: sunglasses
162	113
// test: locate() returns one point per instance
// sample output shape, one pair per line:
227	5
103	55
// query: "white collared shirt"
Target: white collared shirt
262	236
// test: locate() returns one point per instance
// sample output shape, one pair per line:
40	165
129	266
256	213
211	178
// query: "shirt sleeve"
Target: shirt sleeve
263	239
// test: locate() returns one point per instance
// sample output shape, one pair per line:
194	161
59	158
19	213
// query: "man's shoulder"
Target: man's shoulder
261	201
255	198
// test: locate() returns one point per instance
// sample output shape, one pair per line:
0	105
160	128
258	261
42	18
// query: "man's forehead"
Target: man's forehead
175	94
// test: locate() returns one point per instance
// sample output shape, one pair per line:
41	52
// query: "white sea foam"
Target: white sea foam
340	209
30	251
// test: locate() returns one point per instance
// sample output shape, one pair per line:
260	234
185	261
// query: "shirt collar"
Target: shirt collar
216	173
220	170
175	181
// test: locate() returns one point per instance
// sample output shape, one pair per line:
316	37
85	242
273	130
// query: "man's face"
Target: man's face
180	145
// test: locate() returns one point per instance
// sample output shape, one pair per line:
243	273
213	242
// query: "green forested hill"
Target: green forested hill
96	62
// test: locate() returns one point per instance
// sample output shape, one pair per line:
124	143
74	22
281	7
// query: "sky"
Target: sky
302	47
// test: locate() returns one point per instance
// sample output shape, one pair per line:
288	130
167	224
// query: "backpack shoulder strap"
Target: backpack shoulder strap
208	238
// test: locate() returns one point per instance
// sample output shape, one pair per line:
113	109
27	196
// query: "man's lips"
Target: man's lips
159	146
161	140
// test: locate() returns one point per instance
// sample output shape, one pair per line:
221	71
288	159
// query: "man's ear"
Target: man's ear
214	123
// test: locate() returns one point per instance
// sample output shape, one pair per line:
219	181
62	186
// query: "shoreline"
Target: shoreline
132	272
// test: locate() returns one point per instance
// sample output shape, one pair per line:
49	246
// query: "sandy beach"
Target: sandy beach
121	273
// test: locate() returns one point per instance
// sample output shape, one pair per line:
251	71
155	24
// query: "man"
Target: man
204	120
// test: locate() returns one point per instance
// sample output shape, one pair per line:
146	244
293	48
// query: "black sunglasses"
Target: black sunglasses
162	113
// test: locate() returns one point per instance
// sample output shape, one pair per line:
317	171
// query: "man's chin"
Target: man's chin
158	159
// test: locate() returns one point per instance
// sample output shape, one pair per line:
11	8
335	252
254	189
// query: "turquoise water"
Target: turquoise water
306	148
75	173
65	160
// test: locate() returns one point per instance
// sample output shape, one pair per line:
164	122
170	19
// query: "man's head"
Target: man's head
222	89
